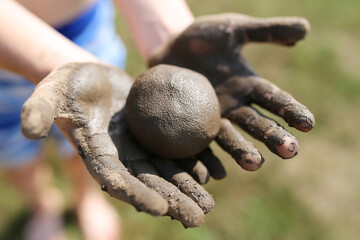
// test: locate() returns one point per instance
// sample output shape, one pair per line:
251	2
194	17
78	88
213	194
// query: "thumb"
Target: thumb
37	117
43	106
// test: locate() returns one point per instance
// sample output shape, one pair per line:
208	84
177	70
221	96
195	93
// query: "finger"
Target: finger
212	163
281	30
275	137
101	159
181	207
43	106
280	102
37	117
182	180
231	29
120	184
245	154
195	168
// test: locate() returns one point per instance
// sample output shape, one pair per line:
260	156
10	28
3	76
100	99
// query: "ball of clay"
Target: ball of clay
173	112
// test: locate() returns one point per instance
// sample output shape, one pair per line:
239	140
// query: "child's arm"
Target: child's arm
154	22
30	47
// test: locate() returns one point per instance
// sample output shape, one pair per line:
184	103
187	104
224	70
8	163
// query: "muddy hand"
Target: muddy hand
86	100
212	46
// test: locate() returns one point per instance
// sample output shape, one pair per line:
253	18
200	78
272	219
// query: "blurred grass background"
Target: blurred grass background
316	195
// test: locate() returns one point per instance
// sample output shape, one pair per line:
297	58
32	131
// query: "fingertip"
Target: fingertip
220	174
153	203
195	191
290	30
195	219
203	178
298	116
37	118
301	26
207	203
196	169
212	163
305	24
306	124
251	162
288	149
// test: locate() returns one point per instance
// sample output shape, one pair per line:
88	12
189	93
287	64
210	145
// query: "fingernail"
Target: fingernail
288	149
251	162
306	125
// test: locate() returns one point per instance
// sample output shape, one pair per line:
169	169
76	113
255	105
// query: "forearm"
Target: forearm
30	47
154	22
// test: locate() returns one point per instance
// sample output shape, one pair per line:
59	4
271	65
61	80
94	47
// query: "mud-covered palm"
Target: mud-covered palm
212	46
86	100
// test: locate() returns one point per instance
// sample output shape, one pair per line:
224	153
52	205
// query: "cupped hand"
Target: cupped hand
212	46
86	101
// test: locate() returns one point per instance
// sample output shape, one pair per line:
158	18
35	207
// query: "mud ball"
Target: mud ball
173	112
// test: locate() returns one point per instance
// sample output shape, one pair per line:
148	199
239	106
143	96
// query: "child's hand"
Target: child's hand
212	46
87	100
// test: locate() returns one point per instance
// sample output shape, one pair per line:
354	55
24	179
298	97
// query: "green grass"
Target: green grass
314	196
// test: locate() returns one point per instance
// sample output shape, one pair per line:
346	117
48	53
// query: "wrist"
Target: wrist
168	28
154	24
52	54
52	60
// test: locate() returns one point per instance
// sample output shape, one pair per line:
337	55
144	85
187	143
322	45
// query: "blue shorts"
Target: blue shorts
93	30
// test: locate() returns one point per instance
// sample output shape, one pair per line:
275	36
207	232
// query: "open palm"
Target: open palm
87	100
212	46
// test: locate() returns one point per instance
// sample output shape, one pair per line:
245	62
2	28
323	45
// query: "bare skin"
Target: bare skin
212	46
56	12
